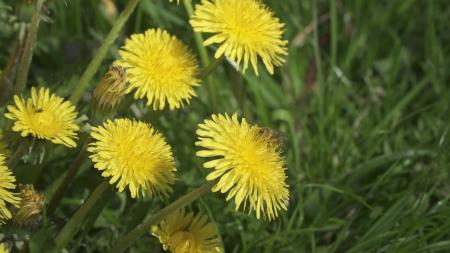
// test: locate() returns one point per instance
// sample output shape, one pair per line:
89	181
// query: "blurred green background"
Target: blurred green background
362	104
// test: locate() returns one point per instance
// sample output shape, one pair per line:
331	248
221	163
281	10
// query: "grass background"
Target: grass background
362	104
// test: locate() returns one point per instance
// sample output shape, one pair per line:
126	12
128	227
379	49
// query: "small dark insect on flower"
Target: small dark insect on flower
275	137
38	110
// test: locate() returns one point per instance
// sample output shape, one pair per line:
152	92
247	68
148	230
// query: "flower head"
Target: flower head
245	29
30	207
186	233
7	181
3	248
247	161
45	116
160	68
134	155
112	88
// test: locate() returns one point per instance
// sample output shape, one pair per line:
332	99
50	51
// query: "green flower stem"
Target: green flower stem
7	76
95	213
75	167
204	58
93	66
211	67
72	226
25	61
67	181
20	151
126	241
334	33
321	87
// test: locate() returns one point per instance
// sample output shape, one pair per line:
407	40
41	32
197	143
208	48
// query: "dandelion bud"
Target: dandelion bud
30	207
109	8
112	88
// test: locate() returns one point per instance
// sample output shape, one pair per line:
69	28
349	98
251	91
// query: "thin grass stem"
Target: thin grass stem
211	67
25	61
93	66
72	226
204	59
67	181
20	151
334	33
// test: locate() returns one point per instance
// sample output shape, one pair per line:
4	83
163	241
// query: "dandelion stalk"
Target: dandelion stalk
204	58
67	181
30	42
75	167
20	151
93	66
72	226
126	241
211	67
7	76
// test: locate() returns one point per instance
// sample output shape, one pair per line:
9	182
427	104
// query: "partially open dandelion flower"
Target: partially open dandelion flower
134	155
7	183
3	248
160	68
30	208
244	30
45	116
112	88
185	233
247	161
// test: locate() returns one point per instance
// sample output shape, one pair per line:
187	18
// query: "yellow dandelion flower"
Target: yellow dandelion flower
247	161
161	68
245	29
4	146
45	116
3	248
112	88
134	155
30	207
7	181
186	233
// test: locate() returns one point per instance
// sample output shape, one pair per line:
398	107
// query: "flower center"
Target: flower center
133	153
182	242
164	73
241	24
44	122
